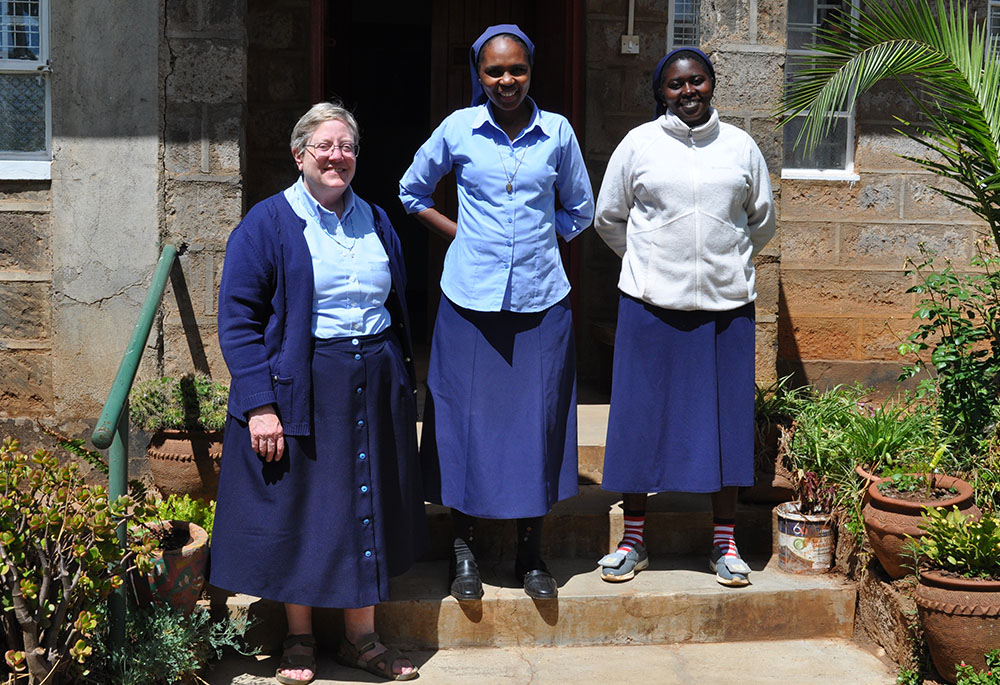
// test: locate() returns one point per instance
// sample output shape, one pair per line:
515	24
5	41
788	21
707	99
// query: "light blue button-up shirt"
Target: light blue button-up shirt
351	279
505	254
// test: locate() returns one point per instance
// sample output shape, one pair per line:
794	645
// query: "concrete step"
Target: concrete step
676	600
803	662
588	525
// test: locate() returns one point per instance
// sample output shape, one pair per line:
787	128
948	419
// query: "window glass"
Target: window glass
684	22
20	29
22	113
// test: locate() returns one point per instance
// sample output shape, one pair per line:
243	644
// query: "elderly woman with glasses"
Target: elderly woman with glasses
319	496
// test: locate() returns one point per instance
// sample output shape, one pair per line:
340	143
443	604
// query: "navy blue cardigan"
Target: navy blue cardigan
265	311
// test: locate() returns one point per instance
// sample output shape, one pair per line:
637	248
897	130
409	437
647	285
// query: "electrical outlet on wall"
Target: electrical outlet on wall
630	45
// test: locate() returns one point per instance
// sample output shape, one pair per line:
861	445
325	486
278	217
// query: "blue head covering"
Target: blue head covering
661	106
478	96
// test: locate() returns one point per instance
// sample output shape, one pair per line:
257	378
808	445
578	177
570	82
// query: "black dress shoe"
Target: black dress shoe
466	584
539	584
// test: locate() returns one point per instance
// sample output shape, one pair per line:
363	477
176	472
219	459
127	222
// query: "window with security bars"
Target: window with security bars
24	80
994	21
835	153
682	24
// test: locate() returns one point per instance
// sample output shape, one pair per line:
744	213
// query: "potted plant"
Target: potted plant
958	590
895	507
59	560
806	526
171	543
186	416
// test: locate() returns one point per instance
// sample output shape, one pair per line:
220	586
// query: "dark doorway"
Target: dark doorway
402	66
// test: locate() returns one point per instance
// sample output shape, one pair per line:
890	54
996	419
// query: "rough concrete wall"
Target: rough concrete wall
203	88
745	39
104	214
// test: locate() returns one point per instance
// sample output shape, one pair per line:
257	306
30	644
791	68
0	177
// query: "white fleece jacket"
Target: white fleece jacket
687	210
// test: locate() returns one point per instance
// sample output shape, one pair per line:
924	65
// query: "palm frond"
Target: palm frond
944	61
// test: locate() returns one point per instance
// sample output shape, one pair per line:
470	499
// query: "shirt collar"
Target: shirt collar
484	116
673	125
317	211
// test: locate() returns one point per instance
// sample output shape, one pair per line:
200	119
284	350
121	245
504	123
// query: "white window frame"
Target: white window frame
993	20
816	173
32	165
672	25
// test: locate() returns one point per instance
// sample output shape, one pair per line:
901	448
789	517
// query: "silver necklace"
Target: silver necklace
510	177
349	248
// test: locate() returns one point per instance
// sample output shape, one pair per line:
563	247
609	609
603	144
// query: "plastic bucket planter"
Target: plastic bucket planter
805	541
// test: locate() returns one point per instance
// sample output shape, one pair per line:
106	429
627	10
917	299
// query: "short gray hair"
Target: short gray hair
317	114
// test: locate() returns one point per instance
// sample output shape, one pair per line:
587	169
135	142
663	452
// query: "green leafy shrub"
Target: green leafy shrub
183	508
961	333
967	675
164	645
59	560
955	542
191	402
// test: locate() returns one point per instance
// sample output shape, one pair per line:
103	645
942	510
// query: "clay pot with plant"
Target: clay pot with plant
894	511
171	560
958	590
186	416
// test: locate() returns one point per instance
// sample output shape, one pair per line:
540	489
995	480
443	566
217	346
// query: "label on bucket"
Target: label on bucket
804	546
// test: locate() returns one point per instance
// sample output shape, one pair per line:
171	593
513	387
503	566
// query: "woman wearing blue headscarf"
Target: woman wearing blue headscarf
686	203
499	437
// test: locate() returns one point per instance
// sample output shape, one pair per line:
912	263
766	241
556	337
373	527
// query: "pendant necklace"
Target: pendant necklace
349	248
510	177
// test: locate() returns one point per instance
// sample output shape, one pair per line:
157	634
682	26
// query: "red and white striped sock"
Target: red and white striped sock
633	531
723	536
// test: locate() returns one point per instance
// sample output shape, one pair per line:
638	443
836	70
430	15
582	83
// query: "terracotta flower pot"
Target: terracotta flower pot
186	462
178	575
961	620
888	521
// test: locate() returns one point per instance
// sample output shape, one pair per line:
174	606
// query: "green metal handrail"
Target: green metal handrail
112	428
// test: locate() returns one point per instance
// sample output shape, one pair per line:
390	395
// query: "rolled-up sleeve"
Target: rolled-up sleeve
430	164
573	186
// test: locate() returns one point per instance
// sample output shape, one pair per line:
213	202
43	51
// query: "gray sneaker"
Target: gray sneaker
620	566
731	571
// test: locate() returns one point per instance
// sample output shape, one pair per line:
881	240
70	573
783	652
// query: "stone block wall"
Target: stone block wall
25	299
745	39
203	75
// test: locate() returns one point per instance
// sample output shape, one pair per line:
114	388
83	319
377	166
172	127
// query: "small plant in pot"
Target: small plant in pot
186	416
958	591
806	530
895	506
171	552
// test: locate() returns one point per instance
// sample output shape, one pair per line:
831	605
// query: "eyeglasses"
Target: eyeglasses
324	150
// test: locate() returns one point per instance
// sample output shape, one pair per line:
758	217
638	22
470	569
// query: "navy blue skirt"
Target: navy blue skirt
682	395
342	511
499	436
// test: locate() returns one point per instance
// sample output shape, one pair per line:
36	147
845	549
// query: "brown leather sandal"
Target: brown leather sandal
380	664
296	662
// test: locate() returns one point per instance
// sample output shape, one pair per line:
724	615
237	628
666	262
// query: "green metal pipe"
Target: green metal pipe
118	486
105	429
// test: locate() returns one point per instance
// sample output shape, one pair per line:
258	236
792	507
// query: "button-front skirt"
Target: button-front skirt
499	435
682	396
342	511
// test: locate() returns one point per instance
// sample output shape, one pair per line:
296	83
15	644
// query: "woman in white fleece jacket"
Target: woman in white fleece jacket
686	203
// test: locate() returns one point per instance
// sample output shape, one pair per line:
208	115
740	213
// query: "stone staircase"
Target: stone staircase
676	602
